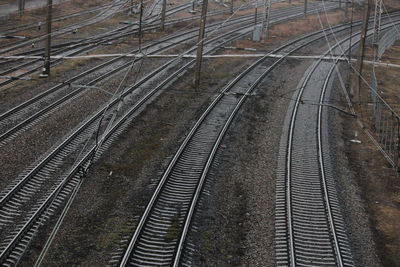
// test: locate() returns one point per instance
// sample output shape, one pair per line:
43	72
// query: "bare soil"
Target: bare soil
376	181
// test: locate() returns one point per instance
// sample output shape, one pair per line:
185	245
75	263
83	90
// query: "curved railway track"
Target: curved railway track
175	198
310	229
113	8
72	48
19	28
43	187
26	114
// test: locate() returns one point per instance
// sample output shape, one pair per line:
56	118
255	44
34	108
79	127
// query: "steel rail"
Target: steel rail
117	4
4	253
12	132
31	221
77	47
336	245
168	171
101	39
89	43
115	101
73	79
19	28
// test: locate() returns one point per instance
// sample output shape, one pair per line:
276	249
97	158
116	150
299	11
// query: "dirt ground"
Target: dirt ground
378	187
378	181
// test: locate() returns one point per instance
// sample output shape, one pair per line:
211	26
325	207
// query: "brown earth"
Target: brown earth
378	181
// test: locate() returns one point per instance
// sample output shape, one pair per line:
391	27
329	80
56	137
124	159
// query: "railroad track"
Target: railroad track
18	119
310	229
44	186
173	203
16	29
116	5
76	47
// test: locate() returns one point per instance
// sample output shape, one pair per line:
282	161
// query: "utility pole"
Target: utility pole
305	8
255	15
264	17
231	6
351	30
140	25
268	18
21	7
46	68
164	7
361	51
377	21
200	42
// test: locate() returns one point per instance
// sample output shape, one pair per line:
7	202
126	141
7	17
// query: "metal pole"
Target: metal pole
351	30
255	15
164	7
231	6
305	8
263	19
268	18
361	51
46	69
20	7
140	25
200	42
